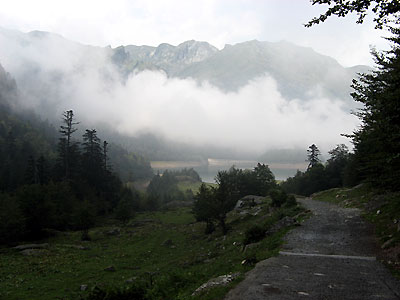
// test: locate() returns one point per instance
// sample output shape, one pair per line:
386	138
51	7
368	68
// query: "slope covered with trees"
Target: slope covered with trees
53	180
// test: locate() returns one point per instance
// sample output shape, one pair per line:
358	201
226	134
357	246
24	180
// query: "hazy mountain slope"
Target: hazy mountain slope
170	59
298	71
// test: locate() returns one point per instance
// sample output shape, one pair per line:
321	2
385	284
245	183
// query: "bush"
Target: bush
134	292
278	197
12	222
254	234
290	201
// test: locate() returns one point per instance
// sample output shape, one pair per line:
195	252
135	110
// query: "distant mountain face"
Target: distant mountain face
298	70
170	59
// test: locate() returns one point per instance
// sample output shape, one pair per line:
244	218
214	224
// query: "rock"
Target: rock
83	287
31	246
168	243
398	227
33	252
249	201
389	243
303	293
78	247
285	222
142	222
130	280
251	246
114	231
110	269
249	261
219	281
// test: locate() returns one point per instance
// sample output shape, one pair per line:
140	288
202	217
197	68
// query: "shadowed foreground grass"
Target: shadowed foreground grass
167	252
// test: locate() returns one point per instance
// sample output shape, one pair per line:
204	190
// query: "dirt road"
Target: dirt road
331	256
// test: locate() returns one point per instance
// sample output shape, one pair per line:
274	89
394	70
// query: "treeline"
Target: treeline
338	171
213	203
163	190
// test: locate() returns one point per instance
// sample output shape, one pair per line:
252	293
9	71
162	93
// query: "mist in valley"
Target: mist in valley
195	116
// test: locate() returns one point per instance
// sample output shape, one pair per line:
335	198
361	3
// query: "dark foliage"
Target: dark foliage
163	187
134	292
254	234
337	172
377	142
385	11
212	204
312	156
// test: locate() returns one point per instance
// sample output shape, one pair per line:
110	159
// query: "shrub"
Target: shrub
278	197
291	201
254	234
134	292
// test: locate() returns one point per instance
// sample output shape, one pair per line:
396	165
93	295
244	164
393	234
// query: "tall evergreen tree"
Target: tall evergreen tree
312	156
105	155
67	149
92	158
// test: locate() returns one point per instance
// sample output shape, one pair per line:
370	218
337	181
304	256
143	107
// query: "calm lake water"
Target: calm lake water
208	169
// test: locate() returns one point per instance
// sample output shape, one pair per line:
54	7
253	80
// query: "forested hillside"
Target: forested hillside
53	179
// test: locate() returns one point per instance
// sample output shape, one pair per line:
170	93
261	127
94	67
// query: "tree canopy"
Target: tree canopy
377	142
385	11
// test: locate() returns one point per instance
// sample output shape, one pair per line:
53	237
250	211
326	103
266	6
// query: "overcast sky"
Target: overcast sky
219	22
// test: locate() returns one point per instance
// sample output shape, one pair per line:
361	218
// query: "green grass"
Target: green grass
194	186
355	197
139	252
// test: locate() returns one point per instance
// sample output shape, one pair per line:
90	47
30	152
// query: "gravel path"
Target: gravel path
331	256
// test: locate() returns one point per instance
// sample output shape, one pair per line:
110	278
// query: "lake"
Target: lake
208	169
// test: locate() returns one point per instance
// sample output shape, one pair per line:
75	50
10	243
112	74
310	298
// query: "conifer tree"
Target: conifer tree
312	156
67	149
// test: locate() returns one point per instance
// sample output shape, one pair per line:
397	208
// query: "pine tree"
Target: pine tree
67	149
92	158
312	156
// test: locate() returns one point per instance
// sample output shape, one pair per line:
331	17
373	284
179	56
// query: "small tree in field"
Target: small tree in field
212	204
203	207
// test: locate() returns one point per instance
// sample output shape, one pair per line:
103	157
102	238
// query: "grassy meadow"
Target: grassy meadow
168	252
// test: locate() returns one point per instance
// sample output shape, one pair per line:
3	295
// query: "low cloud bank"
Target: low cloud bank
254	119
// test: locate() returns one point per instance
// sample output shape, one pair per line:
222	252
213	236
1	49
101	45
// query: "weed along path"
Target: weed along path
331	256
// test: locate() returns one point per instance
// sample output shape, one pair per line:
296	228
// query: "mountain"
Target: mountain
300	72
170	59
297	70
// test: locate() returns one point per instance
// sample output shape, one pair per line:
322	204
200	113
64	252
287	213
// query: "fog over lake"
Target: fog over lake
209	169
